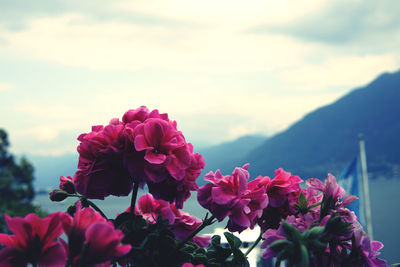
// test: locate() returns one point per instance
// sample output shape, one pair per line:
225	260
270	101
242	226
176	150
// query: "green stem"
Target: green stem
95	207
314	205
254	244
206	222
134	195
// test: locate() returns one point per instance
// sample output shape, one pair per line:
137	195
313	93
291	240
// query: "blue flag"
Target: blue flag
349	180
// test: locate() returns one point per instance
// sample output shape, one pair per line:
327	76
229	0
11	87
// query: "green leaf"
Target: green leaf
291	232
279	245
314	233
304	261
233	241
302	202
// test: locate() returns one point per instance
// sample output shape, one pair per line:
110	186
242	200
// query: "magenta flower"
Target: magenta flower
141	114
90	231
67	184
34	241
191	265
182	224
101	170
103	243
233	196
331	191
281	187
185	224
145	147
367	249
150	208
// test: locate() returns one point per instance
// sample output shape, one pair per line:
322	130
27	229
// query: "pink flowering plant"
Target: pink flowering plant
304	226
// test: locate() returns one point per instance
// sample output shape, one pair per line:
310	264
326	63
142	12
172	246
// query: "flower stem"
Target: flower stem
255	243
134	195
314	205
206	222
94	207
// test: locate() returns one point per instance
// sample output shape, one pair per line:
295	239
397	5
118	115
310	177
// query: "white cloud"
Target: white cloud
117	46
211	52
345	72
5	86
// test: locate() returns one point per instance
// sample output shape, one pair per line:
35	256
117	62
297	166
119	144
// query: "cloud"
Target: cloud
17	14
343	72
343	22
5	86
120	46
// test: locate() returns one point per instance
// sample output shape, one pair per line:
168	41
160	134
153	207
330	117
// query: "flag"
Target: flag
349	180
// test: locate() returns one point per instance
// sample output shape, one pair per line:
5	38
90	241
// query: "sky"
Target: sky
221	69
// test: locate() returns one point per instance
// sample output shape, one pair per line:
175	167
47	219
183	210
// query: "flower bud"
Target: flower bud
67	185
58	195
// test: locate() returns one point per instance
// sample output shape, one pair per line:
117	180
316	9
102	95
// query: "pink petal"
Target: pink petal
54	257
315	184
154	158
9	241
21	228
140	143
220	197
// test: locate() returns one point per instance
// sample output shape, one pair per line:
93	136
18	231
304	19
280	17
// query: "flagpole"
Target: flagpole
367	203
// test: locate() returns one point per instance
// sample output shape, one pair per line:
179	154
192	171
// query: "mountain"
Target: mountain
224	156
326	140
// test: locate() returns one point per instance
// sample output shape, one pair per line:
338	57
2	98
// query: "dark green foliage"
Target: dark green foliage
299	247
16	189
154	245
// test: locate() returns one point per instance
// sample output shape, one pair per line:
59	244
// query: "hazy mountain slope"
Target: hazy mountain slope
327	139
225	155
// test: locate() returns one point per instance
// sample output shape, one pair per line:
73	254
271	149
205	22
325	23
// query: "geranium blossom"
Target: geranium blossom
182	223
332	191
281	187
34	241
101	171
90	231
145	147
233	196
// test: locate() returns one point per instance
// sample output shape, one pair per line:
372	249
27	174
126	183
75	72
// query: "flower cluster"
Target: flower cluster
91	240
308	226
325	228
235	197
182	224
144	148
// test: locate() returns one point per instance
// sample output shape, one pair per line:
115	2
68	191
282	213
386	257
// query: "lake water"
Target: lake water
384	206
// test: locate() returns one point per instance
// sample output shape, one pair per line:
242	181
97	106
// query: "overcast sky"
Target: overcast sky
221	68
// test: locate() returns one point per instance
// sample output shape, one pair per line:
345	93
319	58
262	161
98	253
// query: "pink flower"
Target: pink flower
185	224
182	224
367	249
90	231
191	265
150	208
233	196
101	170
103	243
280	188
331	190
35	241
145	147
67	184
141	114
